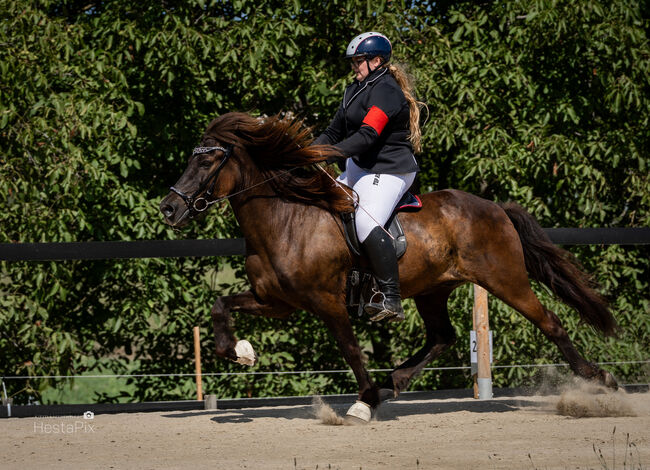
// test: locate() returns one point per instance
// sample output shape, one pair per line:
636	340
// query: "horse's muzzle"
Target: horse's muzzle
175	211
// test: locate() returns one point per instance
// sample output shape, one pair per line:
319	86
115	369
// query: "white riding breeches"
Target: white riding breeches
378	195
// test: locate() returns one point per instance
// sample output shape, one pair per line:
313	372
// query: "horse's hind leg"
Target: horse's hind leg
514	289
440	335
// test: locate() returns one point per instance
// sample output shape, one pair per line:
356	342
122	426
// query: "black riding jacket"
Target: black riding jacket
371	126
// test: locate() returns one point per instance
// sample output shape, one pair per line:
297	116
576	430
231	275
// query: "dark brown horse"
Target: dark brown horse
297	257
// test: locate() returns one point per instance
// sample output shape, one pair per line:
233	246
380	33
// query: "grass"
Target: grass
631	456
82	391
630	448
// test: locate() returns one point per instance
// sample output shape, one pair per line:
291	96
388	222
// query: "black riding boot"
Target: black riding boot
387	303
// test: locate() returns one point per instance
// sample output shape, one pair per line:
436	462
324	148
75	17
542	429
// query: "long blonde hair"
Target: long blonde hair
405	82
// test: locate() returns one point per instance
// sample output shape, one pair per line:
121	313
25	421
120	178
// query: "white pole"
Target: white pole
6	400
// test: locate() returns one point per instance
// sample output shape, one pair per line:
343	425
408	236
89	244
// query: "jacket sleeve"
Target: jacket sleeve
385	104
334	132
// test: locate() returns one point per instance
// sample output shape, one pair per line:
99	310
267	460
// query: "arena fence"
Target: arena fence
237	246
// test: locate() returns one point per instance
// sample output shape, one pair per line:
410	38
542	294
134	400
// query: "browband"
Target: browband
200	150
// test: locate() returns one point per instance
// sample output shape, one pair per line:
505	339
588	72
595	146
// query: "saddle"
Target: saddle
361	282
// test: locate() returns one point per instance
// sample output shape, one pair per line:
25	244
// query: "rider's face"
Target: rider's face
360	66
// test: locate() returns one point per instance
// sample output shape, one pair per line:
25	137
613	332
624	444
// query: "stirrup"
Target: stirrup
380	311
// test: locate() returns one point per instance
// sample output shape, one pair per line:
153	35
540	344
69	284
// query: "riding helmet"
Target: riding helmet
370	44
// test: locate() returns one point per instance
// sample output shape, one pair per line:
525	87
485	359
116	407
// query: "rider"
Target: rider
377	127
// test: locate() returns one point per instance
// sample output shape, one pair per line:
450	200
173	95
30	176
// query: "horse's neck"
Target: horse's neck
267	221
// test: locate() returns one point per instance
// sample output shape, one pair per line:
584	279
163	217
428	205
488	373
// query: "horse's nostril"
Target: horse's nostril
167	210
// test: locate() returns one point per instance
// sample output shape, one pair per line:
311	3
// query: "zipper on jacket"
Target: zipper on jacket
345	105
366	83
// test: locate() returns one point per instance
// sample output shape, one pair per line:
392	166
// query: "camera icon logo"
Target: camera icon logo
89	415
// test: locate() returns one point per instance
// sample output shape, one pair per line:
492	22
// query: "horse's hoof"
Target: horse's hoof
245	353
359	413
608	380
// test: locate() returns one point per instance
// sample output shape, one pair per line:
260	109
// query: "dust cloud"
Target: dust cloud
325	413
582	399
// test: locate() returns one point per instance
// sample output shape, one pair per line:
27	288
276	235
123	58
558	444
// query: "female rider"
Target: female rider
377	128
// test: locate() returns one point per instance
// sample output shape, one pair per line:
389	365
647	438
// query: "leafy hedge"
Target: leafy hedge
544	102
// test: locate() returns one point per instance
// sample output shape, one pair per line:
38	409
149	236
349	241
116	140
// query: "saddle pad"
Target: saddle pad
409	203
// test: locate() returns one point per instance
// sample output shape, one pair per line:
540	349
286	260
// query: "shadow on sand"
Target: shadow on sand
387	412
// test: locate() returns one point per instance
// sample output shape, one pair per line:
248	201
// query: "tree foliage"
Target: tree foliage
545	102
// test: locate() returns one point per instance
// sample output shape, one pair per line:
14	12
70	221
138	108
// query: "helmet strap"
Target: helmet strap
383	62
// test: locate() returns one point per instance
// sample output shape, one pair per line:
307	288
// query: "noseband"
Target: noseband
202	198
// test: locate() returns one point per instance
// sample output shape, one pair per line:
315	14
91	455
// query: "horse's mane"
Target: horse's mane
277	145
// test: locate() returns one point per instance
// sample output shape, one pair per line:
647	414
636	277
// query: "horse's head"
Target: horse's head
210	175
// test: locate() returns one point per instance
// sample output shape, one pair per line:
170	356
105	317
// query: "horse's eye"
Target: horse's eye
205	163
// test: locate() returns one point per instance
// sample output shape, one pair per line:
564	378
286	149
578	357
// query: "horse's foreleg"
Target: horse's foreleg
340	327
440	336
227	345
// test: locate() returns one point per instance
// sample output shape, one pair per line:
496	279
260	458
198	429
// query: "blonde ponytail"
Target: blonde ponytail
405	83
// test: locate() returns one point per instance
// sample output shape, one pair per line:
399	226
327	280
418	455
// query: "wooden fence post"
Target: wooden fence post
483	375
197	363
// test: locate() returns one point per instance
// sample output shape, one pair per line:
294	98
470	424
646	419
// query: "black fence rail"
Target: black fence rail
121	250
237	246
600	236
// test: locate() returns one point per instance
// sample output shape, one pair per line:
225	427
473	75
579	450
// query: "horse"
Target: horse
288	207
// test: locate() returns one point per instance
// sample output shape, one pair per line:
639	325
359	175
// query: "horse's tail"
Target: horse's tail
560	271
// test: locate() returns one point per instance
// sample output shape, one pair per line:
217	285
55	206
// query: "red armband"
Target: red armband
376	119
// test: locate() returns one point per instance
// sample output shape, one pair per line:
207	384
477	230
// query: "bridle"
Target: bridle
202	198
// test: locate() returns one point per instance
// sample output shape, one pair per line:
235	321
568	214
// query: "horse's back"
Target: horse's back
454	235
457	212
